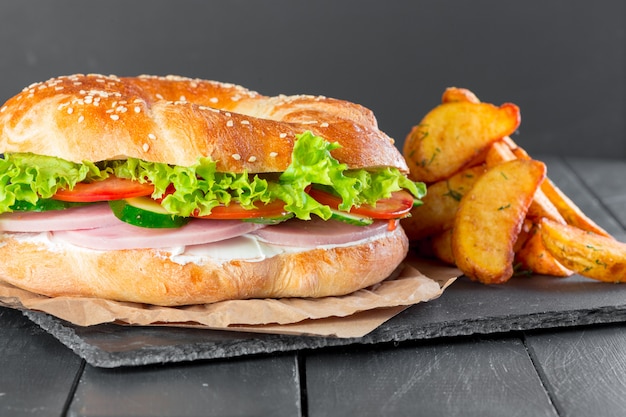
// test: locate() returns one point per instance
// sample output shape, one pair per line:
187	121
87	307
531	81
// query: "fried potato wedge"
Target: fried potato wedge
570	212
589	254
453	135
440	204
442	246
452	94
541	205
534	257
490	217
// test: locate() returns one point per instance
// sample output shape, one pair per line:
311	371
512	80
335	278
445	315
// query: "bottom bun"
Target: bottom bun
149	276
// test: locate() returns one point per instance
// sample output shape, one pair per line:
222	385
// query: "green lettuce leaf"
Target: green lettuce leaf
199	188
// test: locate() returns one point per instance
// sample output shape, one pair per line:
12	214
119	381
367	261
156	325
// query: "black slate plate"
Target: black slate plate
465	308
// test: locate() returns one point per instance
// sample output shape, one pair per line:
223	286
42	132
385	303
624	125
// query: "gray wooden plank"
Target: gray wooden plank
266	386
475	377
37	372
584	369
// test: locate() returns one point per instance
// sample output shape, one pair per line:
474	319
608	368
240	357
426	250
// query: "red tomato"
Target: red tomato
394	207
112	188
235	211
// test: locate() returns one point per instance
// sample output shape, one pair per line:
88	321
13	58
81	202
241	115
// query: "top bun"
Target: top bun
176	120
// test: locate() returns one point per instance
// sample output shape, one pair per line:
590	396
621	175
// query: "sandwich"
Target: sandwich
175	191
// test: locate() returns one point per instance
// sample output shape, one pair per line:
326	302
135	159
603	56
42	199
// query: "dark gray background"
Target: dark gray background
561	61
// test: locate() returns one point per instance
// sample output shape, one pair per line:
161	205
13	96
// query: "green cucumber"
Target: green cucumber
145	212
45	204
350	218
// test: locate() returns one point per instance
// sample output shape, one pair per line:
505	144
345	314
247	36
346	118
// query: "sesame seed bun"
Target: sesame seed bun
176	120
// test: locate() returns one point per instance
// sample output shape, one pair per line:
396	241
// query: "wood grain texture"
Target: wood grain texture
479	377
584	369
37	372
264	387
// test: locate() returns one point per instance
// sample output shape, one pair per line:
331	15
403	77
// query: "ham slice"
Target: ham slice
86	217
124	236
317	232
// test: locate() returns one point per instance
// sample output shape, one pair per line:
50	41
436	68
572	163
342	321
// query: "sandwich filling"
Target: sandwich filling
157	195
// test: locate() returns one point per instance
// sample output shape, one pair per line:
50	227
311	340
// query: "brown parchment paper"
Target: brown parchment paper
352	315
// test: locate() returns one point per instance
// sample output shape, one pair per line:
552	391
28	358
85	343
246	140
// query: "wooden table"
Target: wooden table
560	371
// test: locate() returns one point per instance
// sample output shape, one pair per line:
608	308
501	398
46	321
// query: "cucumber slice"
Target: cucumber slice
145	212
350	218
45	204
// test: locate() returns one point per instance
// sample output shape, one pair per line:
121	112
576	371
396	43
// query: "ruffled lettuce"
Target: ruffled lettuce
199	188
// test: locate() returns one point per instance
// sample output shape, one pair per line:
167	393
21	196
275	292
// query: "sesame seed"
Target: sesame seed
3	109
273	154
282	135
245	122
236	156
324	124
115	117
70	110
182	98
252	159
152	136
137	109
159	96
213	100
229	123
57	88
145	147
81	118
121	109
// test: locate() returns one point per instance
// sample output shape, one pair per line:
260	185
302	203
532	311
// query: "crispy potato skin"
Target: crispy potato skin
490	218
589	254
541	231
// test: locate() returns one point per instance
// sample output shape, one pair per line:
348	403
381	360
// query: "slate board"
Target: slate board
465	308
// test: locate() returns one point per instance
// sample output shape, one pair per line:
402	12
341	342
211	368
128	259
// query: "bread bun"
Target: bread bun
176	120
151	276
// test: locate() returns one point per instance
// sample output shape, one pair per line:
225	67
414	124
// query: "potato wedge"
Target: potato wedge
442	246
452	135
440	204
452	94
570	212
589	254
533	256
490	217
541	206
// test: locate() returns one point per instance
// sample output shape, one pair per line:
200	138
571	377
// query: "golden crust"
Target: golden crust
149	276
176	120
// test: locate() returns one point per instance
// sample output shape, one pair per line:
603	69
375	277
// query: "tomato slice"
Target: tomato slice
394	207
111	188
274	209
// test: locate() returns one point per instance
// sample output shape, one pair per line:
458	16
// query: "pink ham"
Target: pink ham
95	215
124	236
318	232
